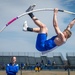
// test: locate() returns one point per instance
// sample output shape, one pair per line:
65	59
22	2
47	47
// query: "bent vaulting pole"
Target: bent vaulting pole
37	10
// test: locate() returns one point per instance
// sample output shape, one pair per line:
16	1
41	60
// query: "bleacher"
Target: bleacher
71	60
46	62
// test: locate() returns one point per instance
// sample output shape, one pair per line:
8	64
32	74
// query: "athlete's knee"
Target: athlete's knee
45	28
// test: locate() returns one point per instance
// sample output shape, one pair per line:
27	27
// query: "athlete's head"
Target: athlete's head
67	33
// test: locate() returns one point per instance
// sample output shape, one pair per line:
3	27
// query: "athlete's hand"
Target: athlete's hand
55	10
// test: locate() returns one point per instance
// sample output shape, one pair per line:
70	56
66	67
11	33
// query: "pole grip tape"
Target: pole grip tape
61	10
11	21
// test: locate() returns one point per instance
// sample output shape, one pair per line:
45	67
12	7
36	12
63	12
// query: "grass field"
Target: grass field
41	73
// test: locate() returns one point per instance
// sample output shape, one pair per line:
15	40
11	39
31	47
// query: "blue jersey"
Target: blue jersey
12	69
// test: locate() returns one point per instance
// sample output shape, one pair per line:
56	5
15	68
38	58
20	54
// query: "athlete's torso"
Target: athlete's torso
59	40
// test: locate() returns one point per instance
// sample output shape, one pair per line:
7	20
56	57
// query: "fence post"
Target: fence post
68	71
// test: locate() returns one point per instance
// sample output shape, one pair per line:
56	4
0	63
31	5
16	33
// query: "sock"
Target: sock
29	29
31	15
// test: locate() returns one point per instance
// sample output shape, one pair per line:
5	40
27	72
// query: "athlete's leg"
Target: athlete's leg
42	28
27	28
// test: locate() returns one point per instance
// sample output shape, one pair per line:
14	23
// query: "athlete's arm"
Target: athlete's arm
71	24
55	22
56	27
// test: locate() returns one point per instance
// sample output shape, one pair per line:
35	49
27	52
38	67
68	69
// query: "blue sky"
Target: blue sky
13	39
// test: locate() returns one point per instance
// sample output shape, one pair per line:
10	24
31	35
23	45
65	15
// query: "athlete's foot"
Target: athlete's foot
25	26
31	8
